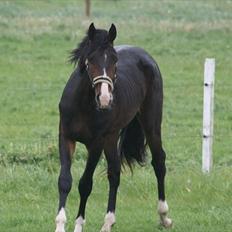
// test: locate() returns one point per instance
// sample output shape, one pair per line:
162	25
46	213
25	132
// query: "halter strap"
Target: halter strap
103	79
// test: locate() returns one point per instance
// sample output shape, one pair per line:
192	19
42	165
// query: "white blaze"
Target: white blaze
105	95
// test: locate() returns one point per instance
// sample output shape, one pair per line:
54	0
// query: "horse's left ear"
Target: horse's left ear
112	33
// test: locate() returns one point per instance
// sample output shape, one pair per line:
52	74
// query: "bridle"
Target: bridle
100	79
103	79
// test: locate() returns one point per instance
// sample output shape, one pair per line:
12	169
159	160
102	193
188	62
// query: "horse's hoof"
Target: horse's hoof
166	223
78	228
80	221
109	222
106	228
60	230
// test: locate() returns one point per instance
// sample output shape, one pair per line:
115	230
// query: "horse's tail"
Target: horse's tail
132	144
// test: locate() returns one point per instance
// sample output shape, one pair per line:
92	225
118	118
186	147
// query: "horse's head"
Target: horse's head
100	64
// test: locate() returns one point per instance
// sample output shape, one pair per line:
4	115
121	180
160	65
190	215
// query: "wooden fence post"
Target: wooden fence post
87	8
208	114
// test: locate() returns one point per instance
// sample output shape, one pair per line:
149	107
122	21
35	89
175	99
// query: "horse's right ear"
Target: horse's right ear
112	33
91	31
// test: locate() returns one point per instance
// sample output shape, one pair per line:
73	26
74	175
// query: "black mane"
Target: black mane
87	46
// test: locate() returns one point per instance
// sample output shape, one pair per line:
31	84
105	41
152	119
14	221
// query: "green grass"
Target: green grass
35	38
197	202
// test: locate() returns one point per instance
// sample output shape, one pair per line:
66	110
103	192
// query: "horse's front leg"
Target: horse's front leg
66	149
114	167
86	183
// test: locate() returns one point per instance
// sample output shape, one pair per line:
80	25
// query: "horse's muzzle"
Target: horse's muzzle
104	96
104	101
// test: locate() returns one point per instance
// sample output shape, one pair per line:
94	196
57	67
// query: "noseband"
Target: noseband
100	79
103	79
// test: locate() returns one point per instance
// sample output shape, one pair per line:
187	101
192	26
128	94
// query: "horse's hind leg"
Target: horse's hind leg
151	121
158	163
66	148
86	183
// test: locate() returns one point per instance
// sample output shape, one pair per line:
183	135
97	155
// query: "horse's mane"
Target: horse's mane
79	54
76	53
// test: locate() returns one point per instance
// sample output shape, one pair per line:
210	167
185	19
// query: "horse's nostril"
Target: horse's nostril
97	99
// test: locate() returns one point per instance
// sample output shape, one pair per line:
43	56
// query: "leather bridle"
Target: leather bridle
100	79
103	79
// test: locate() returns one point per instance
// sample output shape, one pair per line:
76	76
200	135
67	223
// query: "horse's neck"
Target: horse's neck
85	92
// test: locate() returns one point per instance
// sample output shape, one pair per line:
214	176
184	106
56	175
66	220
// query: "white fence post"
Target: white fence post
208	111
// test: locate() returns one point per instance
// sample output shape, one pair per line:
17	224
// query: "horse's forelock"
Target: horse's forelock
79	54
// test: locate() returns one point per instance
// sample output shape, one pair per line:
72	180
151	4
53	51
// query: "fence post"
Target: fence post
87	8
208	111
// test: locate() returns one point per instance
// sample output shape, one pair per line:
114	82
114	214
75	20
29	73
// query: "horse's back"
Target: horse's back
139	58
133	52
137	65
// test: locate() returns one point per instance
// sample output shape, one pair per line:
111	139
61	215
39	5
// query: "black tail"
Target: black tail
132	144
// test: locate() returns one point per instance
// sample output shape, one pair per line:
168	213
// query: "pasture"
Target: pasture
35	40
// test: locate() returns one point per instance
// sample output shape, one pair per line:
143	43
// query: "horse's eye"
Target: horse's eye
91	59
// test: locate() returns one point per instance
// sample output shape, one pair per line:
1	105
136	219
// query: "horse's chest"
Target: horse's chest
80	128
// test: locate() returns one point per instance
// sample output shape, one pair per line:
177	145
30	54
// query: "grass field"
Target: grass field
35	39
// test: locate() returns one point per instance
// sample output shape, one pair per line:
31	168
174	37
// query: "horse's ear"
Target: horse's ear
112	33
91	31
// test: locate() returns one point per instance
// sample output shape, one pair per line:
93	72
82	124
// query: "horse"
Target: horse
112	103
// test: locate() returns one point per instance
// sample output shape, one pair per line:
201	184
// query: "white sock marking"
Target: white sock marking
109	221
163	211
60	221
162	207
79	224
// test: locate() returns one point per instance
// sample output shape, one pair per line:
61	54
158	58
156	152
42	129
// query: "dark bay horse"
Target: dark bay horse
112	103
